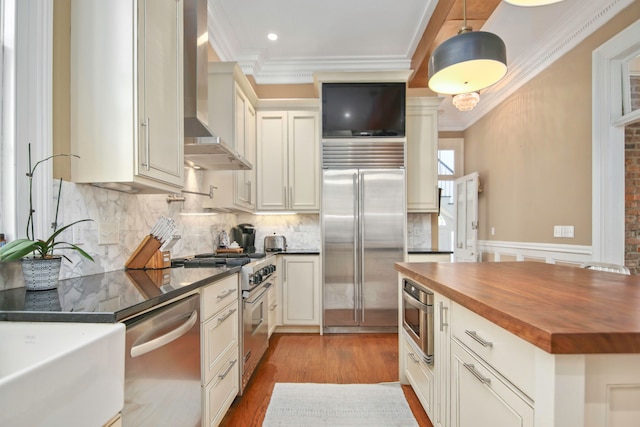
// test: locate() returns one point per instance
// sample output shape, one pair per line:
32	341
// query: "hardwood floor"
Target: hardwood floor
335	358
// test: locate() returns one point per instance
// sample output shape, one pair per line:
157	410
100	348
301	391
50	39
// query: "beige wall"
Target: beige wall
61	87
533	151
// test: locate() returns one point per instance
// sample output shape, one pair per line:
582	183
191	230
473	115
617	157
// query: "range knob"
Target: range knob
272	268
256	278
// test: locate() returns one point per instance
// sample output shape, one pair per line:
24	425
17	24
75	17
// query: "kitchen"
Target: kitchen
136	214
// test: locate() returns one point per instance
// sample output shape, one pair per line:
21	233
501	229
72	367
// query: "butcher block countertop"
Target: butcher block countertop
560	309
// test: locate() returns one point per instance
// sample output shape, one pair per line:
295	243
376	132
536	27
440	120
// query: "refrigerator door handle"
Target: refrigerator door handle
362	244
355	248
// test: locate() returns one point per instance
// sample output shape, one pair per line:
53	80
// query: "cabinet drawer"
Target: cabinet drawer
219	294
420	377
224	387
507	353
481	397
219	334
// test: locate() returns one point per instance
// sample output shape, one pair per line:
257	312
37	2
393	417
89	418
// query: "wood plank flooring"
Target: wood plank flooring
335	358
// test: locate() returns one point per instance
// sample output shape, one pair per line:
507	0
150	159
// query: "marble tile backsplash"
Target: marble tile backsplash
135	215
419	231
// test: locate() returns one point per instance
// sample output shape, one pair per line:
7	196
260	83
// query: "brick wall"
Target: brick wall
632	186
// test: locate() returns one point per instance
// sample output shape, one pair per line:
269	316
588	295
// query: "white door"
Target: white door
466	208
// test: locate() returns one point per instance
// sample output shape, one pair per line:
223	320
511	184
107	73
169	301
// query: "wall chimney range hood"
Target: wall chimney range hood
202	148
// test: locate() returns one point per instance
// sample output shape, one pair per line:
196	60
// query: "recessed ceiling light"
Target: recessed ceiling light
272	36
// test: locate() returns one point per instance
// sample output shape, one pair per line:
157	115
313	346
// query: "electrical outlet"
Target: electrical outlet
108	233
557	231
567	231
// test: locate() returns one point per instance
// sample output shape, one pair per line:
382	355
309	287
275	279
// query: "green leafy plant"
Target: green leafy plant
21	248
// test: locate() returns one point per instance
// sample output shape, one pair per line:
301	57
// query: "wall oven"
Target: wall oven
417	317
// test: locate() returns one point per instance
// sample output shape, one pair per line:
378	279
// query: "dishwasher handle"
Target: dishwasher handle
162	340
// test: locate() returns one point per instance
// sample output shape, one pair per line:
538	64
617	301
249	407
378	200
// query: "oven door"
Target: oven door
417	318
255	335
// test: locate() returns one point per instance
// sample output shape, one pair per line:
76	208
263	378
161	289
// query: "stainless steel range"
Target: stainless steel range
255	279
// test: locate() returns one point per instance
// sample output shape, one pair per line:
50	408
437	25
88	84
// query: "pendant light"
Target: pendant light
467	62
466	101
529	3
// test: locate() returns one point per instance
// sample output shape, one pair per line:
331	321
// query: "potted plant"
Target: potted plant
41	268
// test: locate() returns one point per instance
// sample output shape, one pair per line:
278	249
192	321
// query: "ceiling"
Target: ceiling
361	35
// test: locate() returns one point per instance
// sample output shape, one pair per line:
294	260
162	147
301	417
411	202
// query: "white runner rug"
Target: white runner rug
345	405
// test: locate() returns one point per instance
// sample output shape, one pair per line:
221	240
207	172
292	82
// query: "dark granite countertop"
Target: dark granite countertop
298	252
427	251
106	297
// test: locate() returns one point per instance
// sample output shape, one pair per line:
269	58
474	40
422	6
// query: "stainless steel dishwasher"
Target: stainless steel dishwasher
162	366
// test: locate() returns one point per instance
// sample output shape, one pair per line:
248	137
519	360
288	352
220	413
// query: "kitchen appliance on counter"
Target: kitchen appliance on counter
245	236
275	243
363	219
162	366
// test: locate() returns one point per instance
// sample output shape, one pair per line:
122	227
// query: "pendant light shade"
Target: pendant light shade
467	62
528	3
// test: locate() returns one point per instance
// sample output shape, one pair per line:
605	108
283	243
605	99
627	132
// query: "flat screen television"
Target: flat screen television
361	110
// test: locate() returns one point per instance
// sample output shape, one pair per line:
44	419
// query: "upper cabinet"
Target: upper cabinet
126	94
422	154
288	160
232	117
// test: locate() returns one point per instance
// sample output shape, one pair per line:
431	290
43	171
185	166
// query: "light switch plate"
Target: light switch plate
108	233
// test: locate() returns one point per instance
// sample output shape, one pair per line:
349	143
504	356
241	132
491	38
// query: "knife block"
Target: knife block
148	256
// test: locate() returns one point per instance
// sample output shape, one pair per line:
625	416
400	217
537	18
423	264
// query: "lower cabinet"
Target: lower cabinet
219	337
420	376
300	275
481	397
441	359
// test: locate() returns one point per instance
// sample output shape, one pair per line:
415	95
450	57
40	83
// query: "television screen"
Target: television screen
363	110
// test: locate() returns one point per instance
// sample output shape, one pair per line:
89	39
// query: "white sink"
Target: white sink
61	374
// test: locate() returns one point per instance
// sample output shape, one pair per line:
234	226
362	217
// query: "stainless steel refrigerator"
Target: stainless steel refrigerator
363	226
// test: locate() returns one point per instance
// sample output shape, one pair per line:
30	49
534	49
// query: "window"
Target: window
450	165
25	116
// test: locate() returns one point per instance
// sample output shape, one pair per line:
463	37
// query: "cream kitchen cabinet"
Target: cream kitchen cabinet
232	116
480	396
126	94
441	359
420	376
288	161
300	278
422	154
430	381
219	330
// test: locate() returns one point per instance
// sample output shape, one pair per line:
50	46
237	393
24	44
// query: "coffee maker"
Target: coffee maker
245	235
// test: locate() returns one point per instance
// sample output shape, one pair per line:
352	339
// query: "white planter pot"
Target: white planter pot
41	274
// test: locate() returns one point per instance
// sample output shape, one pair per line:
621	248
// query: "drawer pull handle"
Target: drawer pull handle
226	372
226	316
475	336
413	358
226	294
478	375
